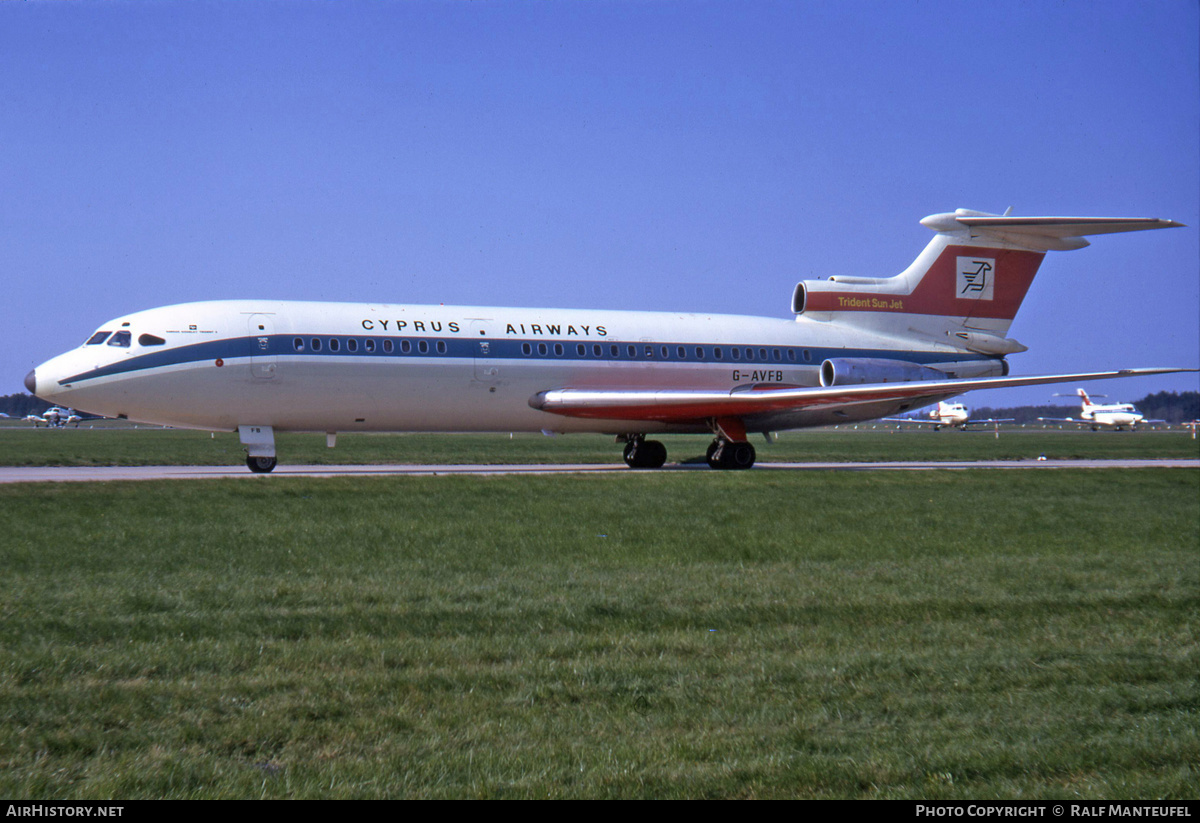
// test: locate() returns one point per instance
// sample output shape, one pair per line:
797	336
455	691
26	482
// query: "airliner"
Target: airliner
948	414
857	349
1117	416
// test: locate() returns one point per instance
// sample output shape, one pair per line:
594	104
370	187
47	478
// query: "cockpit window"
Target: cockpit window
150	340
122	339
97	338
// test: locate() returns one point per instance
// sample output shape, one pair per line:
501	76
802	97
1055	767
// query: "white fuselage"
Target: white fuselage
329	367
1117	415
950	414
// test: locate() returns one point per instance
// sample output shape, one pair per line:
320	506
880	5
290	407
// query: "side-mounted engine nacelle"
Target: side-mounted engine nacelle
848	371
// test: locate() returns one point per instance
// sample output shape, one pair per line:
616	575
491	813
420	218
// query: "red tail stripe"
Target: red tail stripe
937	292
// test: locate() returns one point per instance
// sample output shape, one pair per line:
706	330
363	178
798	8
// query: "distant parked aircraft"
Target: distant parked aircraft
949	414
55	417
1116	416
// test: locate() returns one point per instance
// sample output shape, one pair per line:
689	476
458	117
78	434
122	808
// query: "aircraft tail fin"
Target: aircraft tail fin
966	286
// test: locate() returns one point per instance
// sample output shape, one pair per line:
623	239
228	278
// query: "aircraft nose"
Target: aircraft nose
31	381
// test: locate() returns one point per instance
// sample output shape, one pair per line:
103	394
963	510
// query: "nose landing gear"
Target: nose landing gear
260	447
260	465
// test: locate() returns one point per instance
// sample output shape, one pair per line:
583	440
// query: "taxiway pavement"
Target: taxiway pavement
77	474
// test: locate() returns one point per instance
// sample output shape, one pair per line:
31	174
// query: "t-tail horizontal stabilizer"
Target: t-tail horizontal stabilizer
1040	233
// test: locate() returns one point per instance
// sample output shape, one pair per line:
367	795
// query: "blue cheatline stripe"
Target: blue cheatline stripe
539	349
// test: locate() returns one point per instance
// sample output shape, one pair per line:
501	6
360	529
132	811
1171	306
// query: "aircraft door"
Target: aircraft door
263	360
487	363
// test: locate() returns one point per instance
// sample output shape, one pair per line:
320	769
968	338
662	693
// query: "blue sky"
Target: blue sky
694	156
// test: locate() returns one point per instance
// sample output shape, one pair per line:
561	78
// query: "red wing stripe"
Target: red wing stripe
682	405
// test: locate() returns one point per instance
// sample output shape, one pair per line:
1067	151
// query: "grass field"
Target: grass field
21	445
863	635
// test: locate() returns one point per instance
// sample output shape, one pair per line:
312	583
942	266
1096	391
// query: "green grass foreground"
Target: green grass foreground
21	445
861	635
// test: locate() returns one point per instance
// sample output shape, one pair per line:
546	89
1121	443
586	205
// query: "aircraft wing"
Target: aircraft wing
915	420
690	406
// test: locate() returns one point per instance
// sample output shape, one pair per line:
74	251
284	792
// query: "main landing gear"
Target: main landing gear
725	454
731	449
641	453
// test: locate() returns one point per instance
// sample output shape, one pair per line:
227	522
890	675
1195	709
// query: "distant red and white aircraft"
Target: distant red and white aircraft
949	414
1116	416
859	348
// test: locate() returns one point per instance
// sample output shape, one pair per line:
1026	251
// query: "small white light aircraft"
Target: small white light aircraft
859	348
1113	415
948	414
54	417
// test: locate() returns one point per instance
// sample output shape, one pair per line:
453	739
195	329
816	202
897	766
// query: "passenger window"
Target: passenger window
542	349
316	343
598	350
352	344
150	340
717	353
615	350
369	344
682	352
97	338
388	346
581	350
441	346
334	344
423	346
736	352
526	349
298	343
633	351
122	339
699	352
405	347
558	349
